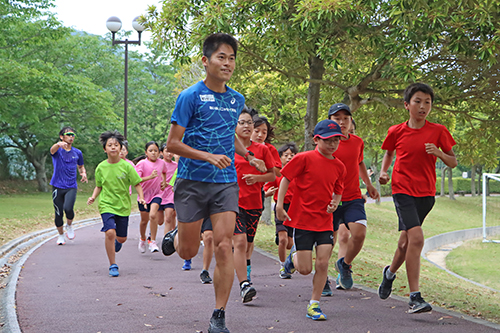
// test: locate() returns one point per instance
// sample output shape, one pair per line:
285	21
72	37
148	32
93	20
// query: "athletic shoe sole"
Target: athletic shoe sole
249	295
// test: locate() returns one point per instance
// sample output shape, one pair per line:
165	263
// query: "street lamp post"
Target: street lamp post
114	24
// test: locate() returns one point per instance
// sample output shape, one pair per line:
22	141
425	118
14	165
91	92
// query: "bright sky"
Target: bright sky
91	15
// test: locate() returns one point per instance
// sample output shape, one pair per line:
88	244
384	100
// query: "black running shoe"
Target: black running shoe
385	288
218	322
247	292
167	245
418	305
205	277
327	290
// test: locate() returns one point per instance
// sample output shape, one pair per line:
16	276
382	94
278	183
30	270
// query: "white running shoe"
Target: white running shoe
153	247
60	240
142	246
70	233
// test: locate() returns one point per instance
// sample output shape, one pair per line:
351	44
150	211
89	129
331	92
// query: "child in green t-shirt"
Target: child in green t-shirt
113	179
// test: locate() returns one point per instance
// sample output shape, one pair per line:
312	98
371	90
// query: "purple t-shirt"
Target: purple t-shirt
65	163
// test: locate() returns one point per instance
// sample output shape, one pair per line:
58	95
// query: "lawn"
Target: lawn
23	211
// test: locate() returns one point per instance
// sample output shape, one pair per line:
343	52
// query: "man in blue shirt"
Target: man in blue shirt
66	160
203	134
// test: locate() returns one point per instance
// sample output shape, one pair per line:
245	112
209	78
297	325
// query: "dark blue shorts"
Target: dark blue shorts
350	212
156	200
116	222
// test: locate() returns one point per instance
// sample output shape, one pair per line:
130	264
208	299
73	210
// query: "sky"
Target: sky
91	15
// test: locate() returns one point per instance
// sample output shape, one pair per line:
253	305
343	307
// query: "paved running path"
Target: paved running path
67	289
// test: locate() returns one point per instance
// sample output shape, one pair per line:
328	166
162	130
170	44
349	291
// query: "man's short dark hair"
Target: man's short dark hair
214	41
289	145
414	87
104	137
66	129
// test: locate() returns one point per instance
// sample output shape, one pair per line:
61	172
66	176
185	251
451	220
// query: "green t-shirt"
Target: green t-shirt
115	180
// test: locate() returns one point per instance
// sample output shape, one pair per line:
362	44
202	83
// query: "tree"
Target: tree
361	52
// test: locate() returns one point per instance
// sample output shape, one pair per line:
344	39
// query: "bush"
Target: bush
461	184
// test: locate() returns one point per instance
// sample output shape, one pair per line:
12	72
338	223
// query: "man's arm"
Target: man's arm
176	146
56	146
83	173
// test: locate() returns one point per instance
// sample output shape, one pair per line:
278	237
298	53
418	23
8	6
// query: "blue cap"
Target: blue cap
337	107
327	128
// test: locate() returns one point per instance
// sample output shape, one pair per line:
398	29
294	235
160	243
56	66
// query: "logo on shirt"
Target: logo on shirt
123	176
233	100
207	98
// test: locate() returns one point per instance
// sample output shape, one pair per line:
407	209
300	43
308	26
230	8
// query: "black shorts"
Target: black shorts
279	224
147	208
246	222
165	206
412	210
207	225
305	240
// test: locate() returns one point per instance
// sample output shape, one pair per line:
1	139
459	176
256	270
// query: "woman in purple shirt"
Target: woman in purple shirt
66	160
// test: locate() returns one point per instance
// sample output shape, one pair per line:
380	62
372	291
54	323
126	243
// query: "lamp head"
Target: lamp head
137	26
113	24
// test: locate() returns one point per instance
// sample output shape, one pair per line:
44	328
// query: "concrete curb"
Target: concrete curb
438	241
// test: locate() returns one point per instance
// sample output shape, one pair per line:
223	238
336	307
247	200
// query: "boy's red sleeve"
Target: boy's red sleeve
293	168
446	141
268	185
390	140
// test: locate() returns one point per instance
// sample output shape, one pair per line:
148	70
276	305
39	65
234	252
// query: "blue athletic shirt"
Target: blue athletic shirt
65	163
210	120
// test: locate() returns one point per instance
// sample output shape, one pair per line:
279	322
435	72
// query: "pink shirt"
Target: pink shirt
168	194
152	187
132	164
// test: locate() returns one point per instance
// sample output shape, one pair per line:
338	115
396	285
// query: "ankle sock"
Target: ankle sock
311	302
390	275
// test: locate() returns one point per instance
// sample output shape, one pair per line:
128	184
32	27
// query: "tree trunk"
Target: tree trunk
4	165
443	177
37	159
450	184
267	213
473	181
316	71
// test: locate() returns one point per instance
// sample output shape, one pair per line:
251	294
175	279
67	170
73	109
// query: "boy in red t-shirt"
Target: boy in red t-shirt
284	234
250	182
351	212
319	182
417	144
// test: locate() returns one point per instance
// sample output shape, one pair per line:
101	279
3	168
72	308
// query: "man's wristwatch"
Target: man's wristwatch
248	154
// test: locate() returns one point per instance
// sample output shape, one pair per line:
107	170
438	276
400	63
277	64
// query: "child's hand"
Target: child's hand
332	207
373	192
282	215
431	149
258	164
90	201
249	179
383	178
154	174
163	185
271	191
142	201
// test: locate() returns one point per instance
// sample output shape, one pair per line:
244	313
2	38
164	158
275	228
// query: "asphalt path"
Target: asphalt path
67	289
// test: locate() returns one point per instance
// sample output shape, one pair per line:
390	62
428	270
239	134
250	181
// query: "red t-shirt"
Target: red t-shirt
276	155
350	152
316	179
414	172
250	196
276	183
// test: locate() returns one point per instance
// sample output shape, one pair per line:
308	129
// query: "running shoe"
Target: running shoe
218	322
142	246
337	283
314	312
205	277
345	273
385	288
153	247
187	265
327	291
284	275
60	240
70	233
418	305
289	267
247	292
167	245
249	270
113	270
118	246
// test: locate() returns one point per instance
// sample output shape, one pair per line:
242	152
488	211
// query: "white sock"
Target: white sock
282	264
390	275
311	302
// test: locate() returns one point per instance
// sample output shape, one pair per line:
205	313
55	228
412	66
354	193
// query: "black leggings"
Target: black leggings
64	200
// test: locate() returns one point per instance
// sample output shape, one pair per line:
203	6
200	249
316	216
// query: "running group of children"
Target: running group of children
227	166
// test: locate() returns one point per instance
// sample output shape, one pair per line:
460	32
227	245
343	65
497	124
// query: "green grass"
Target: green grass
436	285
476	261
